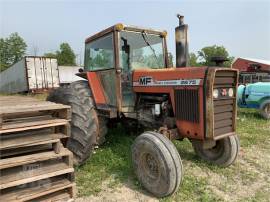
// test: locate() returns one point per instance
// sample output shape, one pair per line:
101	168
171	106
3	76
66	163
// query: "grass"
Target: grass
247	180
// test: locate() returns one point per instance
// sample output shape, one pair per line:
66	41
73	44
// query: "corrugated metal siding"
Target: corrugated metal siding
13	79
30	74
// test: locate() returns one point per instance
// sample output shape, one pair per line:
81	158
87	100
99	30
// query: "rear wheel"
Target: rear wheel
157	164
87	129
265	110
223	153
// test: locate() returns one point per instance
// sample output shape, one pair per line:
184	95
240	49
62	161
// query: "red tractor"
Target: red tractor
127	77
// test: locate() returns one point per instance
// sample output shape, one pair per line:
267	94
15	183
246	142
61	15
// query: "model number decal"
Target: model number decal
149	81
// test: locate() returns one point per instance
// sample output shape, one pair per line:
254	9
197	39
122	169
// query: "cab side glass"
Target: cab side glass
99	54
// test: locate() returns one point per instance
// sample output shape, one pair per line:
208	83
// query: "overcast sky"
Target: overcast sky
243	27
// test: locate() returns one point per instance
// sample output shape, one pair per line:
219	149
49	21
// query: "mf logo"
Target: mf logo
145	80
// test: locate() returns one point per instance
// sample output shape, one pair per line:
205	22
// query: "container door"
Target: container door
31	73
51	76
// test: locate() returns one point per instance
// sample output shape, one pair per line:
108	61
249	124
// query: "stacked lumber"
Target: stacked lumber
34	164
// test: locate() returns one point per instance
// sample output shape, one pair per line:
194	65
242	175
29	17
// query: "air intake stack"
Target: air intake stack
181	42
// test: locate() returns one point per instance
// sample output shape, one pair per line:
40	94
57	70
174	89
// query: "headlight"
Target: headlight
230	92
215	93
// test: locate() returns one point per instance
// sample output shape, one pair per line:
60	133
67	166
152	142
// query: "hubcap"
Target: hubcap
267	109
150	166
215	152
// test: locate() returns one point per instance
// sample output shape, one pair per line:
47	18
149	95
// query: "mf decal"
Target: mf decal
145	80
149	81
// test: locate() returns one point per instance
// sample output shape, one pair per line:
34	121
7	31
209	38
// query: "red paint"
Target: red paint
96	88
186	128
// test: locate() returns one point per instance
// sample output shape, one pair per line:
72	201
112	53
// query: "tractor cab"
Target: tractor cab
113	54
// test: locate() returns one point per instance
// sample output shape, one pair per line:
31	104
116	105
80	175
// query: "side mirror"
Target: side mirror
81	70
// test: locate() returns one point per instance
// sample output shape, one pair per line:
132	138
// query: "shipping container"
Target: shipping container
31	74
67	74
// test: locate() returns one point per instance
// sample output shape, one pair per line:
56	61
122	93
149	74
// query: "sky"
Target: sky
242	27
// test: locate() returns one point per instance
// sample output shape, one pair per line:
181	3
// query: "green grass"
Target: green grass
111	166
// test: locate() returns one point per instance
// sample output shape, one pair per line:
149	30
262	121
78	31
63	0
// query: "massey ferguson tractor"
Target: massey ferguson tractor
127	78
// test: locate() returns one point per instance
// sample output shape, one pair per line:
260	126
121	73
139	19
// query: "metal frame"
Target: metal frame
115	30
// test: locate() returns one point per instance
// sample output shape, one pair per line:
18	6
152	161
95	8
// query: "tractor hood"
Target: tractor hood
188	76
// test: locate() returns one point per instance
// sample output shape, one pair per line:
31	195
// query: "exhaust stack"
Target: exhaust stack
181	42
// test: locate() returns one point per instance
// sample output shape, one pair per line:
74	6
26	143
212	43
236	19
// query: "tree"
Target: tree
50	55
193	60
66	55
206	53
12	49
170	59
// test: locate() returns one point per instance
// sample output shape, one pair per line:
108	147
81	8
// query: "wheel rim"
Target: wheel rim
215	152
150	166
267	109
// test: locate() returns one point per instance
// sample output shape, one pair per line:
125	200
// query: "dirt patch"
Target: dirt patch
124	192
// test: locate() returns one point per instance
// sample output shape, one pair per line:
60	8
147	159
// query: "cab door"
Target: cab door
100	62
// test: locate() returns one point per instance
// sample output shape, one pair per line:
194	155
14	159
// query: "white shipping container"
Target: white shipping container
30	74
67	74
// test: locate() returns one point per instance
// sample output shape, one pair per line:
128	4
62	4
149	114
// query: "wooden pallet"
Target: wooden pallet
21	111
34	165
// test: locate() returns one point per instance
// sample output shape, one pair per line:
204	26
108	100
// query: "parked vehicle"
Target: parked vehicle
255	96
128	79
31	74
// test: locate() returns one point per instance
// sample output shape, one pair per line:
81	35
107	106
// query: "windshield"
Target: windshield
141	50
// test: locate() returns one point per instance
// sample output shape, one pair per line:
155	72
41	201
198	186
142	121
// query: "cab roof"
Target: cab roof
120	27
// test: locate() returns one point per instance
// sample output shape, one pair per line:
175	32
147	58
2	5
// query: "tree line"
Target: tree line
13	48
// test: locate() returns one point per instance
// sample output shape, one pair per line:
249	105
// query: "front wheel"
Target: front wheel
157	164
265	110
222	154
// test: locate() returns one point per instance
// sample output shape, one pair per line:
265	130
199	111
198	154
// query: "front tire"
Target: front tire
87	128
224	153
157	164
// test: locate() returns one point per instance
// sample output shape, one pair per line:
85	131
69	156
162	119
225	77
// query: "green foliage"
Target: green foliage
193	60
12	49
170	59
50	55
203	58
64	56
206	53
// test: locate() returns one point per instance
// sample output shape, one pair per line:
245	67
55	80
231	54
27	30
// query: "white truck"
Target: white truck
31	74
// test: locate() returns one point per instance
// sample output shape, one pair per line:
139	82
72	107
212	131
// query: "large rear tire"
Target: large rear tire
224	153
87	128
157	164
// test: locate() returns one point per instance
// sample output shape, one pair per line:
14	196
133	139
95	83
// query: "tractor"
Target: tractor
127	78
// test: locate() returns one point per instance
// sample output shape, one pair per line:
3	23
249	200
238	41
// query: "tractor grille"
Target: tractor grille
187	105
224	105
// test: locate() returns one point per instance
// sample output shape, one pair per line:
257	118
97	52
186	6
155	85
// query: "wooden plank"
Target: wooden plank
25	150
32	158
59	196
8	128
29	193
15	176
29	140
22	109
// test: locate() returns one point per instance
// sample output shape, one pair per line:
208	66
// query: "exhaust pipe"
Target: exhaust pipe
181	42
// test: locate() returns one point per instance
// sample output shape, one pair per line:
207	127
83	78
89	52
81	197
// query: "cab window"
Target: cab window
99	54
141	50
